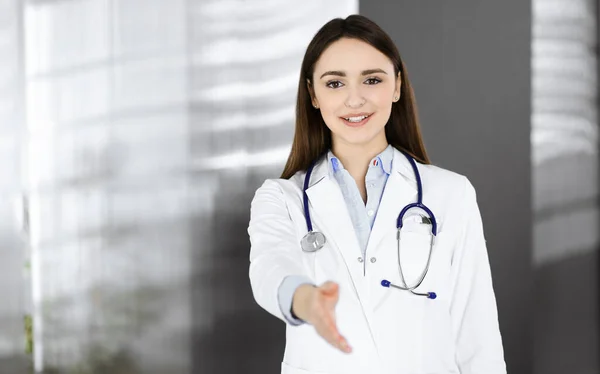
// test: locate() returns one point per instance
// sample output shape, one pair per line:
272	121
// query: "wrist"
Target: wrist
299	301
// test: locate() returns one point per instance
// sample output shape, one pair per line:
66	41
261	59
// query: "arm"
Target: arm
473	310
286	295
276	269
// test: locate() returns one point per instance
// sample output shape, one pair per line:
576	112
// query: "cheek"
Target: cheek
331	103
329	110
381	98
332	121
382	103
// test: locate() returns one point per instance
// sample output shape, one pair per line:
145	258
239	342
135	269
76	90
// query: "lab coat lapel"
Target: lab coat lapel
400	190
329	213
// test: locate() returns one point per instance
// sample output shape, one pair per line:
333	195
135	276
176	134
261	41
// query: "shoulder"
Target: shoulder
279	188
283	186
442	176
452	183
450	194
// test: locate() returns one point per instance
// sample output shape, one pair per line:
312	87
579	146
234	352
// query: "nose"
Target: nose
355	98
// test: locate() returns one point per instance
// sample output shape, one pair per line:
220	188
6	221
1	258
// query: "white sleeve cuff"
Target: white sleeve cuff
285	296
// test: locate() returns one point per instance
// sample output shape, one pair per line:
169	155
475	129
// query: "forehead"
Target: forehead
352	56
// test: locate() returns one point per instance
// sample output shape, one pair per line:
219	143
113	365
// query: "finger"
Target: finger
334	336
329	301
343	345
331	336
325	325
330	317
333	296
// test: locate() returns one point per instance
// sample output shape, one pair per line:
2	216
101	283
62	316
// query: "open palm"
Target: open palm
323	302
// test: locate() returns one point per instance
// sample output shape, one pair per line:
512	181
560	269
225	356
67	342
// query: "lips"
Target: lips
365	118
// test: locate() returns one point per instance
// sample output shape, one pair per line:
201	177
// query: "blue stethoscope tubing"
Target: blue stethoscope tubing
315	240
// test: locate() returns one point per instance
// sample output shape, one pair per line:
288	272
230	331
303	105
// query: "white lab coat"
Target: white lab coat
390	331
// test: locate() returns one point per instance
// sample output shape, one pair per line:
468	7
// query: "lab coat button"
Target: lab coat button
370	213
373	259
360	259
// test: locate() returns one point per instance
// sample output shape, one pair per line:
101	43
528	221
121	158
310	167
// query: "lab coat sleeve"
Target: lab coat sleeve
286	295
473	308
275	254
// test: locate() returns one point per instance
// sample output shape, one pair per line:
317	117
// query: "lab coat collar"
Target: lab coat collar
329	214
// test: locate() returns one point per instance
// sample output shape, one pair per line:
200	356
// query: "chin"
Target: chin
357	140
363	136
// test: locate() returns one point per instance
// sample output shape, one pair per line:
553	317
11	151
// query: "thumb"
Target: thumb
329	287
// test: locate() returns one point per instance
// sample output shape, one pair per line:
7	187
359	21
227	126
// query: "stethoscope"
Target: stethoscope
315	240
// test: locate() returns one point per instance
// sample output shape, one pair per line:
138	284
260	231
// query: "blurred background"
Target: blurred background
133	134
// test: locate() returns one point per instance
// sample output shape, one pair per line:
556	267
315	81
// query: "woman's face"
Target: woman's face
354	88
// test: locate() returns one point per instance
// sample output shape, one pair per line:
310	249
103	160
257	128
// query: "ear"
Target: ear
311	92
398	85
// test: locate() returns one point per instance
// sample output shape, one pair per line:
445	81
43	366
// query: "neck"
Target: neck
356	157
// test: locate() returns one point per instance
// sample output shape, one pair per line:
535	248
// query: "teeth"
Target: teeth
355	119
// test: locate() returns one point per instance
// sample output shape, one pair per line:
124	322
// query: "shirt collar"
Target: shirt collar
384	159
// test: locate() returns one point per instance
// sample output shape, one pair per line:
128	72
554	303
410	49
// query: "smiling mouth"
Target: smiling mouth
356	121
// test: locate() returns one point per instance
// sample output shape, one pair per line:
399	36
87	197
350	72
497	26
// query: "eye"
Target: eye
373	81
337	84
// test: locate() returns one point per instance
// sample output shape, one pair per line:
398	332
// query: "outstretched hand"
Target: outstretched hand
316	305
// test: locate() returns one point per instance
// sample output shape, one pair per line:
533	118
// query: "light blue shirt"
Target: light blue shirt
362	215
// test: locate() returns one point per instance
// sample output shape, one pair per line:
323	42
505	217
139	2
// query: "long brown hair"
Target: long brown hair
312	137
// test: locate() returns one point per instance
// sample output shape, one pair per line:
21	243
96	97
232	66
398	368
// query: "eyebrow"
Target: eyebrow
343	74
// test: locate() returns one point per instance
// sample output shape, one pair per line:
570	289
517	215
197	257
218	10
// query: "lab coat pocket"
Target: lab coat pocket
413	251
414	257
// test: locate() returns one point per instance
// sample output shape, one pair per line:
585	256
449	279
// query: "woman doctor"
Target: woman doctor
365	285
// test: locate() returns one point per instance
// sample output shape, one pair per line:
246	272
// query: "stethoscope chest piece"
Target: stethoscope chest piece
313	241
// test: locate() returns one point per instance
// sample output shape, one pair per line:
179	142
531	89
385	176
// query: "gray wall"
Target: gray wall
566	213
469	62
